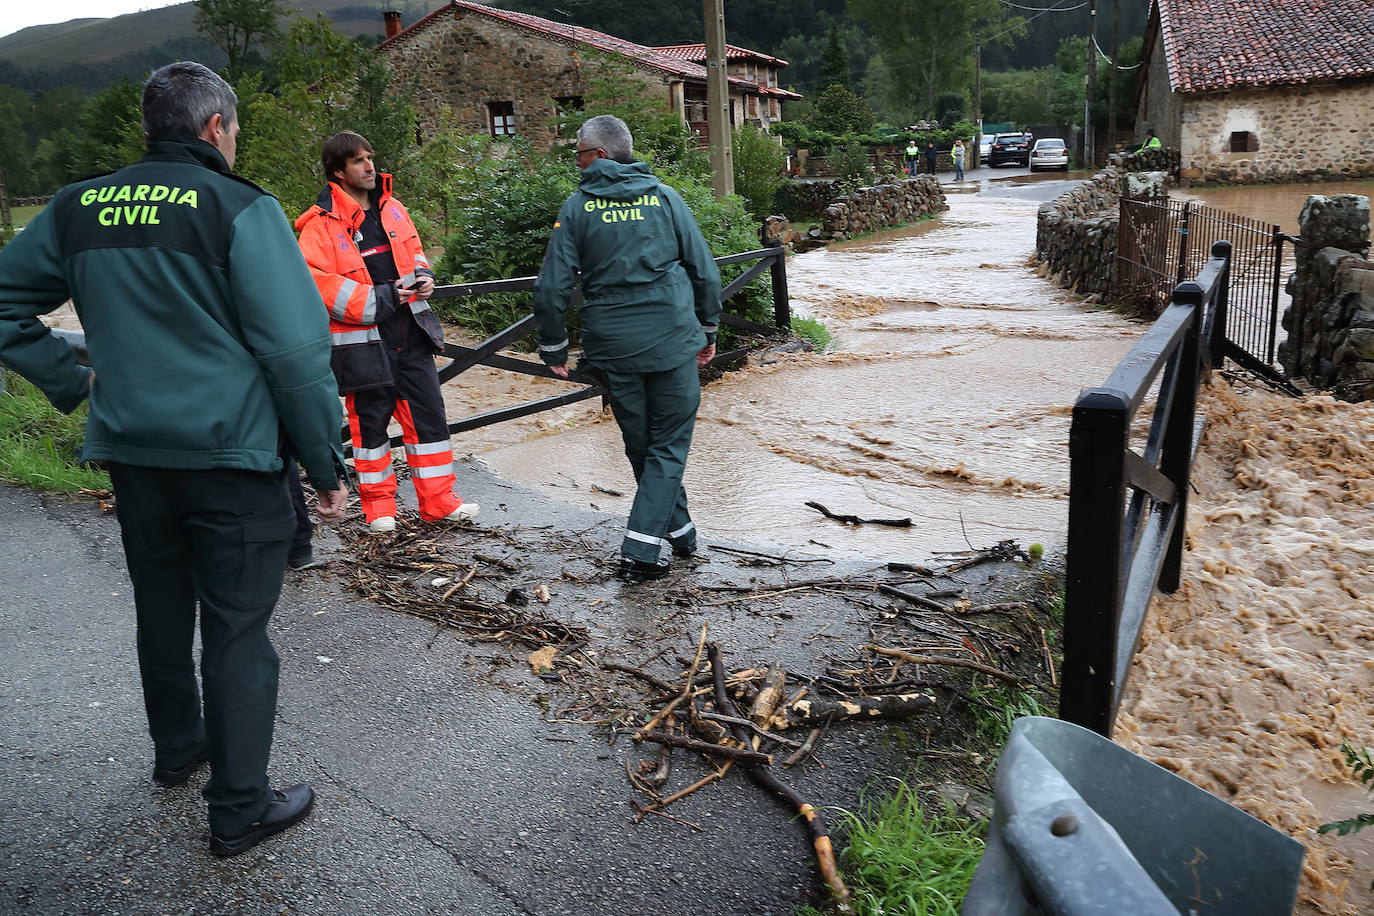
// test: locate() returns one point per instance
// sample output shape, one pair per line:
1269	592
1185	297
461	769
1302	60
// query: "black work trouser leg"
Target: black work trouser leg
221	537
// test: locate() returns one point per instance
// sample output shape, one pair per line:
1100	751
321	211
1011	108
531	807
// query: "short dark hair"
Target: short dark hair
181	98
340	148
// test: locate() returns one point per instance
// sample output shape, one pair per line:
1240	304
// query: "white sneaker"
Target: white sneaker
464	513
384	525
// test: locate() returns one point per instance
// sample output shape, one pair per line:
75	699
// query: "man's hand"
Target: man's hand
705	355
423	288
560	371
331	503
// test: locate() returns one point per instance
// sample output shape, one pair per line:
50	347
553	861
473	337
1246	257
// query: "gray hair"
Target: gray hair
609	133
181	98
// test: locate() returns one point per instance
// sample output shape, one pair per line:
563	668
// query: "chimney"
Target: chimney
393	22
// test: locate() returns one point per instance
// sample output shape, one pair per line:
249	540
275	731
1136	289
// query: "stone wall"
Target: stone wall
1075	234
808	198
888	204
1330	323
1301	133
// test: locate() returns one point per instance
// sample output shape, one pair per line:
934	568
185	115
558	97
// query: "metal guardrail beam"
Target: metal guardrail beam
1127	508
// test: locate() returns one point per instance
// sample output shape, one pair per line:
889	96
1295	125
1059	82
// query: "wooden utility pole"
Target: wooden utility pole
5	219
978	101
1112	78
718	100
1089	154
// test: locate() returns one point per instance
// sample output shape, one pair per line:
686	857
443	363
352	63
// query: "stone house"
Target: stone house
507	73
1274	91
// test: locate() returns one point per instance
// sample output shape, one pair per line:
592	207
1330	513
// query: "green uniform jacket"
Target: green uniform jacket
202	323
651	287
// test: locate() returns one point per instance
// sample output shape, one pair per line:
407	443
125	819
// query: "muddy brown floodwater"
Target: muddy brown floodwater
1254	672
945	397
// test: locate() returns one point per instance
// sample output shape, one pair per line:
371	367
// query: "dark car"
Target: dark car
1013	148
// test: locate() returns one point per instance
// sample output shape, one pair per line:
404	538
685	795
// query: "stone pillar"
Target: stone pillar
1330	322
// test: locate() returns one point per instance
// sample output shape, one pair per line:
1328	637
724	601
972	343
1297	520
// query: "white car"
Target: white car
1049	154
984	147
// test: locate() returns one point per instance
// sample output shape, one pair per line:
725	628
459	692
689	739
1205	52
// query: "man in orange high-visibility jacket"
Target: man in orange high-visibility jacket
366	258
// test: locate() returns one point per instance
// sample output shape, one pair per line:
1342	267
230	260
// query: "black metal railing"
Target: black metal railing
1127	507
1162	241
772	258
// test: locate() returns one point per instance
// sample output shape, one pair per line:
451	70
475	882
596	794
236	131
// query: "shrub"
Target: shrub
759	166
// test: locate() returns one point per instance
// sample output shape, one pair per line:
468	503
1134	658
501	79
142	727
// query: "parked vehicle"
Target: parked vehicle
1049	153
1013	148
984	147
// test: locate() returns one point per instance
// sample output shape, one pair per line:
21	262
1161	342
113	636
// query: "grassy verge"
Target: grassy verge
22	215
812	330
38	443
903	861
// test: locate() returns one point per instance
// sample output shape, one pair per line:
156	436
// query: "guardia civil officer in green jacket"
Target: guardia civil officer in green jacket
207	342
649	317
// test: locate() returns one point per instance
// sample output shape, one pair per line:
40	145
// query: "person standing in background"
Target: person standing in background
958	155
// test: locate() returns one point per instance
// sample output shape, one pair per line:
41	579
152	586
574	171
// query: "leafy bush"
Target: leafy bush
840	111
812	330
759	166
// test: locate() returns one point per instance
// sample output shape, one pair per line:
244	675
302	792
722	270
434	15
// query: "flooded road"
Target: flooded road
944	398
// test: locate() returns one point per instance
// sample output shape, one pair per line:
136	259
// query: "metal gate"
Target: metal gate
1161	242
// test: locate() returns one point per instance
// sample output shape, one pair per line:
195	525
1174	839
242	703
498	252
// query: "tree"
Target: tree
840	111
834	64
237	26
928	44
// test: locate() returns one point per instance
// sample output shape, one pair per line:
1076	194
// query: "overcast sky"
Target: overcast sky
21	15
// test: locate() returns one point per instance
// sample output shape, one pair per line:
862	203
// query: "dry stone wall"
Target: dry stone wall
887	204
1330	323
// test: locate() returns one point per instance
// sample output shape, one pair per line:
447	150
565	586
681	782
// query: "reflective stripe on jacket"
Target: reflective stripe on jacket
328	239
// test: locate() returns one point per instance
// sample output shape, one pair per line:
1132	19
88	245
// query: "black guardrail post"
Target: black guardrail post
1176	449
1093	578
782	308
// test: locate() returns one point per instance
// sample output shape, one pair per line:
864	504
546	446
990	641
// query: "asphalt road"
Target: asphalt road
444	786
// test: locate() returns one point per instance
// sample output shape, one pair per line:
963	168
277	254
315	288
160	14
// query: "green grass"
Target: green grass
1004	705
812	330
22	215
38	443
902	861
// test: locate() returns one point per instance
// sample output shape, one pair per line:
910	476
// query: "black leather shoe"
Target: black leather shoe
684	551
175	776
641	571
286	808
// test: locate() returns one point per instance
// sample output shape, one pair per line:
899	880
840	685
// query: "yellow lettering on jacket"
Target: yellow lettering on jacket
137	213
622	216
600	203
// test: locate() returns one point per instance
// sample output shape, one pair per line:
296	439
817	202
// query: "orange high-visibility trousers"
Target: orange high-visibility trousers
418	407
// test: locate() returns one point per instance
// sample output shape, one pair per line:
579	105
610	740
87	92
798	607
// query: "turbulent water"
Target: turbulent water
1251	676
944	398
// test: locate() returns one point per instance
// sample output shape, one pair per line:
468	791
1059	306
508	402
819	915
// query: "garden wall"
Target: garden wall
889	204
1330	323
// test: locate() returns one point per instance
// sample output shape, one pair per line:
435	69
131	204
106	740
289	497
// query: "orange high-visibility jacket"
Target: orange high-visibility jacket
328	239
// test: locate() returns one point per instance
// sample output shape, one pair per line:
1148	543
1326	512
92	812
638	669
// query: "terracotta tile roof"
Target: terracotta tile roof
651	57
697	52
1213	45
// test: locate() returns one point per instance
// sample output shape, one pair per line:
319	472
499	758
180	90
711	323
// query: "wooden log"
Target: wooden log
887	706
738	754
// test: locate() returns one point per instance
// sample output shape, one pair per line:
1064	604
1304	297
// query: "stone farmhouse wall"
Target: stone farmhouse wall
871	209
464	63
1301	133
1330	323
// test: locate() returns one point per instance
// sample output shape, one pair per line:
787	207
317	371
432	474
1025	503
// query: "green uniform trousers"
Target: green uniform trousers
656	412
218	536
